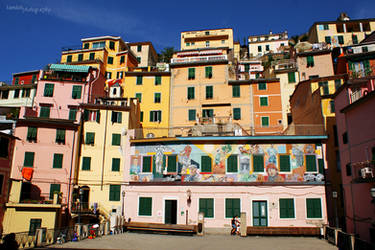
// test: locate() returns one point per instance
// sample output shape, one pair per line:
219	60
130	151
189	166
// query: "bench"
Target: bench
307	231
161	228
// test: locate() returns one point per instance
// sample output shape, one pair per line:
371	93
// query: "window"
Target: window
172	163
80	57
263	101
310	61
145	206
314	208
206	206
31	134
337	84
110	60
258	163
206	164
232	208
44	112
259	48
139	97
48	89
98	45
190	93
267	47
116	117
92	56
286	208
157	97
291	77
328	39
191	75
155	116
90	138
236	91
69	58
208	113
119	75
157	80
76	92
4	147
207	43
284	163
16	80
222	41
364	49
34	225
341	39
54	189
91	115
60	136
209	92
348	169
108	75
16	93
187	44
192	114
237	113
29	159
355	39
114	192
33	79
311	163
138	59
86	45
232	164
141	116
262	86
146	164
86	163
332	106
345	138
139	48
111	45
4	94
265	120
72	114
139	80
207	33
325	27
57	160
115	164
116	139
208	71
247	67
122	59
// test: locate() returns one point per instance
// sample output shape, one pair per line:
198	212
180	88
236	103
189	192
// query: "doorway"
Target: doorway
260	215
170	212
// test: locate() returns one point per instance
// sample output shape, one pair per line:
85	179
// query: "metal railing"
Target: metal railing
199	59
361	73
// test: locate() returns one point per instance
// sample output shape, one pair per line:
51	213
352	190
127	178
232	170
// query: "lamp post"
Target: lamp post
123	200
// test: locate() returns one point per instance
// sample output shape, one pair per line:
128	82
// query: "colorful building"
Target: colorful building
260	45
210	38
145	53
17	95
276	180
314	64
28	77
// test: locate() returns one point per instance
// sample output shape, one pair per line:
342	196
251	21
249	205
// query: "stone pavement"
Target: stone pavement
135	241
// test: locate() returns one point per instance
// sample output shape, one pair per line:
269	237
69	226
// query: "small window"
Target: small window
108	75
155	116
80	57
92	56
77	92
90	138
206	162
86	163
265	120
114	192
187	44
48	89
190	93
207	33
267	47
139	80
237	113
258	163
116	117
157	80
328	39
341	39
145	206
325	27
191	75
207	43
263	101
314	208
29	159
146	164
73	114
286	208
69	58
192	114
86	46
207	113
337	84
60	136
209	92
232	208
31	134
110	60
157	97
139	97
355	39
236	91
138	59
139	48
44	112
111	45
364	49
262	86
332	106
206	206
291	77
284	163
172	163
232	163
57	160
311	163
122	59
116	139
115	164
310	61
259	48
16	93
208	71
34	225
54	189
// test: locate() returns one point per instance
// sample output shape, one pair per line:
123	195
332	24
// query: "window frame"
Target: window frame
236	91
233	212
287	207
116	139
255	169
191	113
48	90
58	160
268	122
114	192
262	100
157	97
86	163
204	168
209	92
228	165
290	165
236	113
202	209
307	209
142	212
191	93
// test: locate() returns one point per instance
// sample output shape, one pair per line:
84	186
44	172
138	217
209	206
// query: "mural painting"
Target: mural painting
249	163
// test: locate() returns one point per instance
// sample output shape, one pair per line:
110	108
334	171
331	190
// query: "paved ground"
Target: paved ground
135	241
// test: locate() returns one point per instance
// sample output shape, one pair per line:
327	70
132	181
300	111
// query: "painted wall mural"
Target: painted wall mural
227	163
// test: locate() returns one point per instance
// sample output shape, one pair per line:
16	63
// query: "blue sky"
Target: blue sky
34	31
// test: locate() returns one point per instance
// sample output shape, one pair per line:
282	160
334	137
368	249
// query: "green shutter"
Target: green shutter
258	163
237	113
139	80
29	159
284	163
31	134
291	77
311	163
54	188
44	112
172	164
314	208
141	116
206	164
337	84
321	166
69	58
209	92
72	114
116	164
146	165
236	91
86	163
90	138
139	97
232	207
114	192
86	115
310	61
80	57
110	60
116	139
263	101
92	56
60	135
145	206
57	160
34	225
341	39
232	162
208	72
247	67
265	121
206	206
157	80
98	116
76	92
191	93
48	89
262	86
191	74
192	114
286	208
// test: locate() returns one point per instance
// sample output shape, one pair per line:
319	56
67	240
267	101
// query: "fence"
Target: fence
345	241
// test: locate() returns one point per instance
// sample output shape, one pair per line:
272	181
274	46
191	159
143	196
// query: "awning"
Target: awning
69	68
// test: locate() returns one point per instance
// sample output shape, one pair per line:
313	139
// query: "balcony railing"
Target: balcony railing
82	207
361	73
199	59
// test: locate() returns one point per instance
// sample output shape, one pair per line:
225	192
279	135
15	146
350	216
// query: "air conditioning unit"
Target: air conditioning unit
367	171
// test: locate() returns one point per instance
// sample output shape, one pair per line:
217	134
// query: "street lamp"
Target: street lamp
123	200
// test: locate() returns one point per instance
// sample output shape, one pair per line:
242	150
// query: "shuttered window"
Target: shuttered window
191	75
310	61
262	86
72	114
60	135
86	163
116	139
145	206
286	208
110	60
206	164
54	188
291	77
116	117
31	134
76	92
34	225
265	121
157	80
90	138
57	160
80	57
157	97
172	164
237	113
263	101
139	97
232	164
311	163
44	112
232	208
321	166
258	163
209	92
314	208
115	164
29	159
284	163
208	71
92	56
146	165
191	93
139	80
236	91
192	114
48	89
206	206
114	192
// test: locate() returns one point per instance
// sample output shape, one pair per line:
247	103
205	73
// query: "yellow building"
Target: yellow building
152	88
145	53
211	38
100	171
108	53
342	32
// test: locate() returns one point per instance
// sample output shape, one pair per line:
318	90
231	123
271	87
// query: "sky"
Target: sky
32	32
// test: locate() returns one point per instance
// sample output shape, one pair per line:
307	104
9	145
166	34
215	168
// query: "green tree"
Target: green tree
166	54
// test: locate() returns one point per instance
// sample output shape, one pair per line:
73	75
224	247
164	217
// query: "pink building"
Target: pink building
355	117
45	155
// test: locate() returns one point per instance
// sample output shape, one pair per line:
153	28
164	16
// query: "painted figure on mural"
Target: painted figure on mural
220	156
273	173
135	167
244	159
184	158
159	152
297	160
272	154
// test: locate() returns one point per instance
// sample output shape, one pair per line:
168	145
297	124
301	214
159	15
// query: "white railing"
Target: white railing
199	59
356	95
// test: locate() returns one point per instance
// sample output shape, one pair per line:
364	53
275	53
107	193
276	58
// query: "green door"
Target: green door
260	214
170	212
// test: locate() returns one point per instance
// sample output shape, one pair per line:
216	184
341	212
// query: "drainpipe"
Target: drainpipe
105	137
71	168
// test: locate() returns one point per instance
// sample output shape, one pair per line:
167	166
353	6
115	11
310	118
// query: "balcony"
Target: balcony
82	208
64	76
363	172
361	73
199	59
